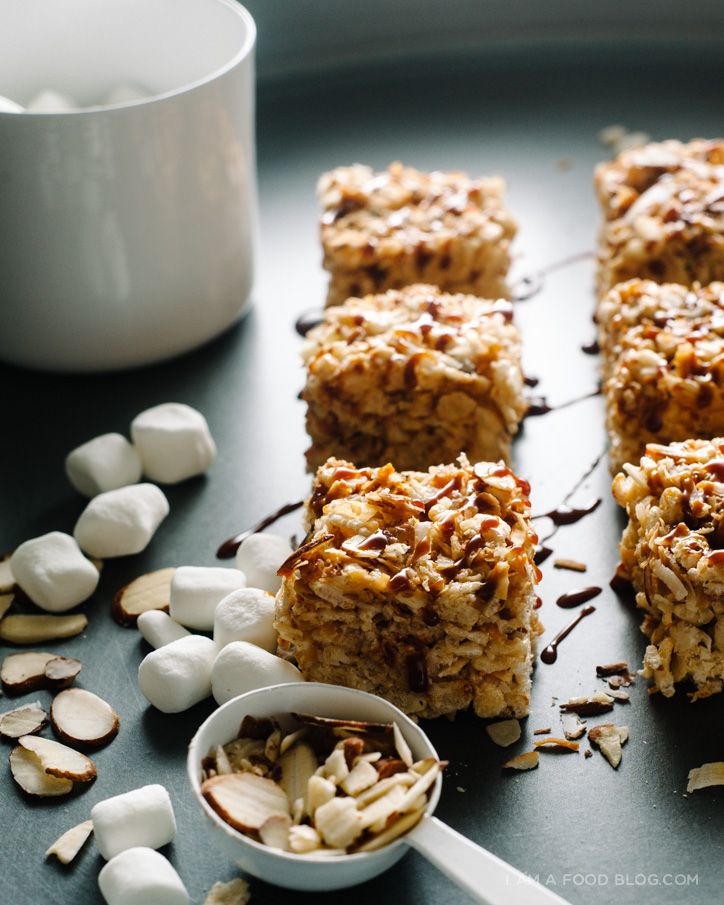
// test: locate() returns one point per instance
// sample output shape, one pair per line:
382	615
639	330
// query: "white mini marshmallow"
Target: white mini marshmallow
125	93
246	615
121	522
178	675
173	441
9	106
196	591
159	629
53	572
259	557
140	817
104	463
141	876
242	667
49	101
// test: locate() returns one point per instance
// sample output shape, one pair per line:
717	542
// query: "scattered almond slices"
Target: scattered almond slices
31	670
527	761
7	581
504	733
6	601
235	892
23	629
80	717
25	720
609	739
61	671
245	801
544	730
148	592
598	702
60	760
556	744
573	726
29	774
66	847
706	775
572	565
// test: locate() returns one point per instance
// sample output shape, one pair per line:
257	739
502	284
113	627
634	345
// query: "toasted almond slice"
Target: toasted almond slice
28	773
25	720
389	766
148	592
246	801
352	747
298	811
21	673
6	601
7	580
373	757
504	733
235	892
557	744
67	846
273	743
335	766
527	761
304	839
573	727
422	766
80	717
24	629
401	826
609	739
619	668
297	765
598	702
383	807
319	792
339	822
571	564
61	671
419	788
403	749
274	832
352	725
360	778
544	730
60	760
380	788
292	739
706	775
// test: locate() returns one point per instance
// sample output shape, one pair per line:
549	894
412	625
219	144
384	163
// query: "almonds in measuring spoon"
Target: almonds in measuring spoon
25	720
60	760
80	717
148	592
244	800
66	847
31	629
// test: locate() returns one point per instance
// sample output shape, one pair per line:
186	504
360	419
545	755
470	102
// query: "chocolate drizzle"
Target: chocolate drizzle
308	320
230	546
550	654
541	554
576	598
539	405
532	284
567	515
591	348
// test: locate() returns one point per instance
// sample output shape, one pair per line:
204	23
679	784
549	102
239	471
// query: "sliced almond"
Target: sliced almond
527	761
7	581
384	807
504	733
556	744
304	839
598	702
319	792
274	832
6	601
544	730
422	766
60	760
352	725
24	629
401	826
246	801
571	564
235	892
389	766
399	779
292	739
573	727
297	765
25	720
339	822
80	717
706	775
67	846
29	774
609	739
21	673
272	745
619	668
419	788
335	766
361	777
222	761
353	748
149	592
403	749
61	671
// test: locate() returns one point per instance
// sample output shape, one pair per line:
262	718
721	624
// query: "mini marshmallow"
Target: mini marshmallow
141	876
259	557
159	629
53	572
49	101
9	106
121	522
173	441
242	667
124	94
140	817
246	615
104	463
196	591
178	675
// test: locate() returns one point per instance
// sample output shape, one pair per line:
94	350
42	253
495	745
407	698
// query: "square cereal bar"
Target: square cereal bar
386	230
663	207
666	384
673	552
416	586
413	377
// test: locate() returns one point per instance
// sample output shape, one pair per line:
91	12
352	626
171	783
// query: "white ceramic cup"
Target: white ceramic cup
127	231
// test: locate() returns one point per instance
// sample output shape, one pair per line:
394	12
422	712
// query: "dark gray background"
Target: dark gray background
589	831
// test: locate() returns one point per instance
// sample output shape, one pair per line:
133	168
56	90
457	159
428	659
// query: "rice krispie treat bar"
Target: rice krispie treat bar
663	206
673	552
416	586
413	377
666	384
645	303
386	230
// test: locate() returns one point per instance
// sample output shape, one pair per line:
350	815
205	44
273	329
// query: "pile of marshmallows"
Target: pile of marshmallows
171	442
127	829
185	668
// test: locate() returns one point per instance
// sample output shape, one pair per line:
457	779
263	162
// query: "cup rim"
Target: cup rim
193	765
241	54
